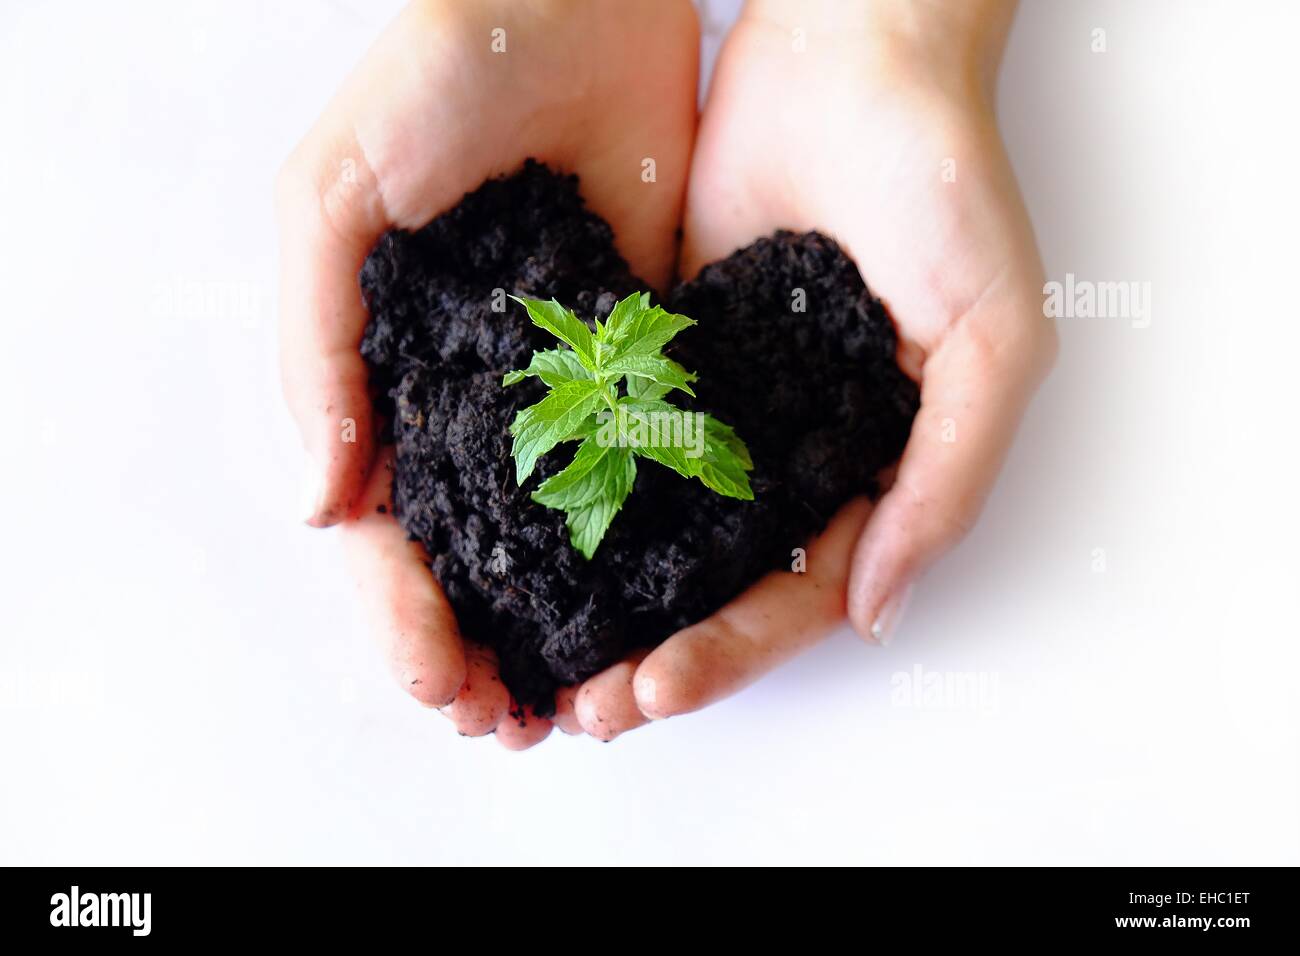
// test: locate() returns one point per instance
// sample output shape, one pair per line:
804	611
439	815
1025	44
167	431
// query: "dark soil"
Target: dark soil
816	395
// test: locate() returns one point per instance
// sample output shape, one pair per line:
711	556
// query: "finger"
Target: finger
605	704
974	389
482	701
782	615
410	614
328	224
565	716
521	728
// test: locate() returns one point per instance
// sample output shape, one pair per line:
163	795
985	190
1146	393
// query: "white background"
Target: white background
183	674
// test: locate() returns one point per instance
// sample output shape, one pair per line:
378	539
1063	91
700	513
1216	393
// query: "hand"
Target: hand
879	131
586	86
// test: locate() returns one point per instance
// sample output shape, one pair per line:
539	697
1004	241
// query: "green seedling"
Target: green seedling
606	391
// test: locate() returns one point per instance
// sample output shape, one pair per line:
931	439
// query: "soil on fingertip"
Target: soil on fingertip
791	349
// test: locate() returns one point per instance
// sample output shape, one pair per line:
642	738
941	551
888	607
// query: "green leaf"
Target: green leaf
657	368
539	428
591	490
722	467
588	524
721	433
646	389
564	325
644	333
725	462
622	313
665	452
586	477
585	429
553	367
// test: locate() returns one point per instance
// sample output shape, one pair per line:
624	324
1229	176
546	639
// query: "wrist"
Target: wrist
953	45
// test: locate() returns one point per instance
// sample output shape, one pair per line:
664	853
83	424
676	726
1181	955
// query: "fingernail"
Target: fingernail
891	612
309	504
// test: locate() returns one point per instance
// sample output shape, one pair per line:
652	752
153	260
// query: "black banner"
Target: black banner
1165	906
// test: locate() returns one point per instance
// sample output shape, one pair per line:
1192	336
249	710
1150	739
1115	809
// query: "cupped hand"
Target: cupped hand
451	94
871	122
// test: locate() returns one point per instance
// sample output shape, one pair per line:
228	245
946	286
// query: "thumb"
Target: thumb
974	389
329	221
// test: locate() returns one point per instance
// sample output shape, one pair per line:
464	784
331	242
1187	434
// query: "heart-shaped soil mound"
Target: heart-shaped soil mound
816	395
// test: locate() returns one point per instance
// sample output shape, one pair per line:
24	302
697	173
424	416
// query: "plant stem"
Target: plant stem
611	398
